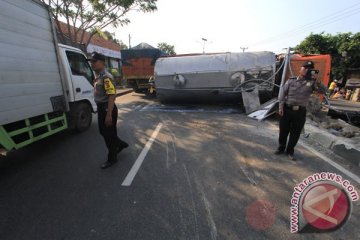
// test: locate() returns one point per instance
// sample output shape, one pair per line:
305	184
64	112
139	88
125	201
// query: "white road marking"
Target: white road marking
329	161
209	216
326	159
167	154
138	107
135	168
145	107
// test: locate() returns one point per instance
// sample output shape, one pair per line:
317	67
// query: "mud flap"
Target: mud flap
251	100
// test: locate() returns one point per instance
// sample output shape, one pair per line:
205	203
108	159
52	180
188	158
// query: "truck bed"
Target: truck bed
29	69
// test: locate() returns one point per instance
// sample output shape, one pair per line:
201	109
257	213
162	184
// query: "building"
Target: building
97	44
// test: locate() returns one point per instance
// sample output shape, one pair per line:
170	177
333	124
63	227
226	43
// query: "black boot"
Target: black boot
121	146
107	164
290	154
112	159
280	150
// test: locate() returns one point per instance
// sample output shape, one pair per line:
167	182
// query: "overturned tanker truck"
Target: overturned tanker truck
216	78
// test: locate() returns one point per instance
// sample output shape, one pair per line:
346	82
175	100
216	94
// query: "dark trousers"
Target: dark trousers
292	122
109	134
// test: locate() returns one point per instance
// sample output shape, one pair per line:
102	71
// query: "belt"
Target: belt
295	107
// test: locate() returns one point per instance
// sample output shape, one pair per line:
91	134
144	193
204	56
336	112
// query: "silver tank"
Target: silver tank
213	77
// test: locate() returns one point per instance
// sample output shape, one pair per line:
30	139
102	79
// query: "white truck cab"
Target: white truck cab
79	78
78	75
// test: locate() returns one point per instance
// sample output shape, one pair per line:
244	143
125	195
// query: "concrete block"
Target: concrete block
323	140
347	148
322	137
348	153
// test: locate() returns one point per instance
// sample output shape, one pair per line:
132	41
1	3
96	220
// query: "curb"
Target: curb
339	145
124	92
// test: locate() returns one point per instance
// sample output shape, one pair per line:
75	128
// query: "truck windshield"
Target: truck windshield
79	65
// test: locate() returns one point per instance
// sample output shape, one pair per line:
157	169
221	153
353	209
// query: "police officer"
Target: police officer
105	94
293	99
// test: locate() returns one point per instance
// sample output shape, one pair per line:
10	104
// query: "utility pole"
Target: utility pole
129	41
243	48
204	43
286	65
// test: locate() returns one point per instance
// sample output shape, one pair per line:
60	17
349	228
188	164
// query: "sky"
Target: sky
228	25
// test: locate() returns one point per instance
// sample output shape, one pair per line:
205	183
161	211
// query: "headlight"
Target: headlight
237	78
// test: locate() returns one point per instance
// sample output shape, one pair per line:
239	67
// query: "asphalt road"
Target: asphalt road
210	173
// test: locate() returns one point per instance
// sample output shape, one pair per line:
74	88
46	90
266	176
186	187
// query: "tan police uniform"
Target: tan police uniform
104	87
293	99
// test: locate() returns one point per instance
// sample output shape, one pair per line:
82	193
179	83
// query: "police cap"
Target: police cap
96	57
308	64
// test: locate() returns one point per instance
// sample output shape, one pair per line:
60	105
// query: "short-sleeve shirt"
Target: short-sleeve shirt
332	86
297	91
104	85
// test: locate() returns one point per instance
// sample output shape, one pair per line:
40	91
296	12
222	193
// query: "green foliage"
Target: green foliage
111	37
94	15
344	49
167	48
123	46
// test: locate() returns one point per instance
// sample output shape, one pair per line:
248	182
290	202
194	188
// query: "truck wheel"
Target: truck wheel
136	89
82	117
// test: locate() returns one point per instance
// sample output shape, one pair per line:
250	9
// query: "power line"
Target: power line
339	15
327	17
315	27
311	26
328	21
320	20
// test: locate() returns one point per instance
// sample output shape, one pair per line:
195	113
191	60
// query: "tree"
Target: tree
344	49
123	46
93	15
167	49
315	44
111	37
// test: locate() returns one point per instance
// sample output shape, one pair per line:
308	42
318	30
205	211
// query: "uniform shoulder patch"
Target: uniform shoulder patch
109	86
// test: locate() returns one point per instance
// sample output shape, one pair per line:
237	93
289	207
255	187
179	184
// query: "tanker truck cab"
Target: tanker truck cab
78	77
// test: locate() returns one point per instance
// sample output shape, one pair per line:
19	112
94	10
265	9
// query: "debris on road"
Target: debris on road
337	127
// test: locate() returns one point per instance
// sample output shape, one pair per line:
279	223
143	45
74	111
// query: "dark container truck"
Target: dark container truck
45	87
138	66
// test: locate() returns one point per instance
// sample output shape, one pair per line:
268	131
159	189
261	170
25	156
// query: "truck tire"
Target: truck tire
136	88
82	117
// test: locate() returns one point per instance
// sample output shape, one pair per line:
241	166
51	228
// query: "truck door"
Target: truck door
82	77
